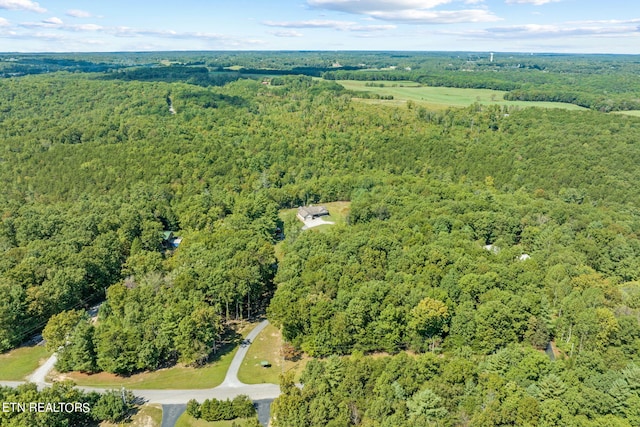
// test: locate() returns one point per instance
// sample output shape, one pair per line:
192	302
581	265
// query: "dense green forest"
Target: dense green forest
477	237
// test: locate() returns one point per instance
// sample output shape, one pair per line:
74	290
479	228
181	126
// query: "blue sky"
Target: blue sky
578	26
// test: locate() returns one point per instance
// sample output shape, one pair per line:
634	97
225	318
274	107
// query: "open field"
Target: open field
17	364
442	97
177	377
266	346
187	420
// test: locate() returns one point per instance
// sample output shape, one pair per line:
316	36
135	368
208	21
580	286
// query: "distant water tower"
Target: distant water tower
491	57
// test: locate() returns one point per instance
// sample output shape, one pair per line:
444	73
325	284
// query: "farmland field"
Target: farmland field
442	97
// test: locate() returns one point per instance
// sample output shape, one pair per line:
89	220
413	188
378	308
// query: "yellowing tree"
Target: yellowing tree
429	319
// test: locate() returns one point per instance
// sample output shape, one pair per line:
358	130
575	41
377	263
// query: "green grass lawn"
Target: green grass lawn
266	346
147	416
17	364
175	378
443	97
338	213
178	377
187	420
635	113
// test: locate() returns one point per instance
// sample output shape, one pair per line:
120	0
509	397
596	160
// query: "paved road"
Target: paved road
231	379
40	374
171	413
264	411
12	384
175	397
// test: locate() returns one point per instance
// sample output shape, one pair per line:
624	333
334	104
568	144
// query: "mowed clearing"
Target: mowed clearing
267	347
441	97
634	113
17	364
338	212
338	215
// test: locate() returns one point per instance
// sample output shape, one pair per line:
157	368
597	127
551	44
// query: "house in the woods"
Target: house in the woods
491	248
306	213
169	240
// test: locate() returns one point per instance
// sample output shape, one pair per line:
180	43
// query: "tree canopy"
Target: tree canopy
477	237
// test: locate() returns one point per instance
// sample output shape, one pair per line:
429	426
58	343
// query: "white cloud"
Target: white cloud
366	6
85	27
22	5
409	11
76	13
140	39
605	22
4	22
57	24
437	17
53	20
40	35
336	25
314	23
286	33
537	31
136	32
370	28
533	2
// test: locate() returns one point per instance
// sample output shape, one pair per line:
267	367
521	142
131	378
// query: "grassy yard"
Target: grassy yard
17	364
338	213
176	378
187	420
266	346
634	113
443	97
147	416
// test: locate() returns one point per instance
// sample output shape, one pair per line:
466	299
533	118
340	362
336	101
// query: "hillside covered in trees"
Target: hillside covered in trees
477	238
